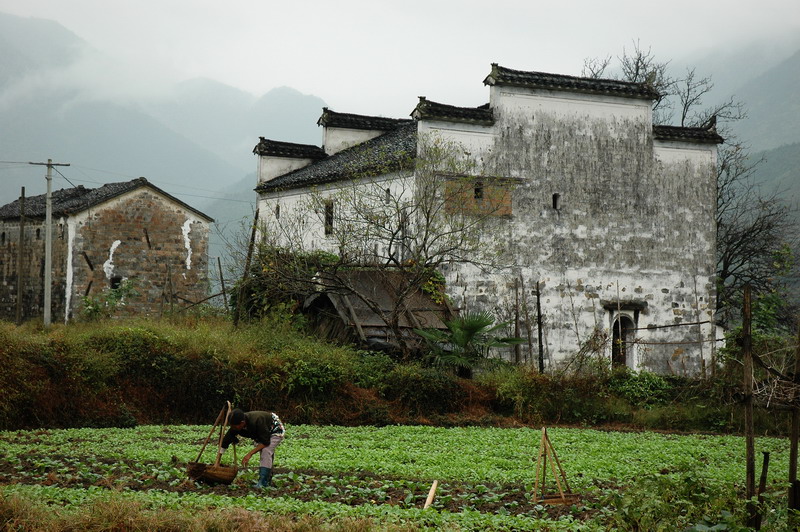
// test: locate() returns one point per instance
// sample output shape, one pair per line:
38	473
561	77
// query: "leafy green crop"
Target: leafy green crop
486	475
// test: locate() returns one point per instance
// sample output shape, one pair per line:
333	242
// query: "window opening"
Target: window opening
387	199
556	201
278	211
116	282
478	192
328	218
38	234
3	240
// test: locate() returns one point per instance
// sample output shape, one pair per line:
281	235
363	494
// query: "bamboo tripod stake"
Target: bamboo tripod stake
546	450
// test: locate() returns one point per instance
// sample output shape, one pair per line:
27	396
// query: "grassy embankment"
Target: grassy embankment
123	373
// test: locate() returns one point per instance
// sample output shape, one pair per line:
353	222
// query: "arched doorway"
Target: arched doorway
622	342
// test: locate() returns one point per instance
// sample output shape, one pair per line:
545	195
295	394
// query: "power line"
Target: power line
65	177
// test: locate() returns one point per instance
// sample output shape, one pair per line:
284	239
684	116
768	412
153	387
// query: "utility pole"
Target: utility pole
21	255
48	242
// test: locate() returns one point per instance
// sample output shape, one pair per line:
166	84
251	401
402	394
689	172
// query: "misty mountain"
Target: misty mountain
28	45
773	103
194	139
780	171
228	121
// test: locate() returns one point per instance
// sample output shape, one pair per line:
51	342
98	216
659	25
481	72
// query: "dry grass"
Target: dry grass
23	514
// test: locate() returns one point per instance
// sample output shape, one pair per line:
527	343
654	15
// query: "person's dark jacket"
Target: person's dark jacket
260	427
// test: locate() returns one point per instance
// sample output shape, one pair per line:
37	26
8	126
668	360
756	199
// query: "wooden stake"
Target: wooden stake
794	488
216	422
749	431
222	432
431	494
565	495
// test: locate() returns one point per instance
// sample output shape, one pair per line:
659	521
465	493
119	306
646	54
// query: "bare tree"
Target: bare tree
756	229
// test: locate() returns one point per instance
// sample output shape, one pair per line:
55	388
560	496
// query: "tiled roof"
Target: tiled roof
540	80
73	200
331	118
277	148
687	134
377	156
427	109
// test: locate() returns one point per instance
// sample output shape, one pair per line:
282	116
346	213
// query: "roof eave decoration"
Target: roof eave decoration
333	119
292	150
429	110
559	82
698	135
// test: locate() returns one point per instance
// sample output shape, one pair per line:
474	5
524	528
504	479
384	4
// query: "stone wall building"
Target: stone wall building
610	216
100	238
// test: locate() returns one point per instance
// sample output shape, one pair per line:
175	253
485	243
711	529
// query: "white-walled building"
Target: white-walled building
612	217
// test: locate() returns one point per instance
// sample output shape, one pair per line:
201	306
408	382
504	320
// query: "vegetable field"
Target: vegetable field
486	476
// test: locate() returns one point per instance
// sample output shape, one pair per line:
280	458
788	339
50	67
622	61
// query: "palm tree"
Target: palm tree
466	343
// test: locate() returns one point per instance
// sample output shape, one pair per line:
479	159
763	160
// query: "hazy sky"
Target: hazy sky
376	57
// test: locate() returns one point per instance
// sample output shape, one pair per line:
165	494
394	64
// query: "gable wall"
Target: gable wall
159	245
270	167
336	139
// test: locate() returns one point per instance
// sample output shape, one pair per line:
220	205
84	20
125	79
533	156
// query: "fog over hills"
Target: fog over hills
773	103
195	138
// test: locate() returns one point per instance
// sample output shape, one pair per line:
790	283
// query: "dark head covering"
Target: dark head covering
237	416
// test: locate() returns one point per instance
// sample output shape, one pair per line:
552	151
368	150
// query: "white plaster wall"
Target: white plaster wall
308	226
517	100
270	167
336	139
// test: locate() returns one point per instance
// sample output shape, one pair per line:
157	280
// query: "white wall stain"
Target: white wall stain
71	228
108	266
187	243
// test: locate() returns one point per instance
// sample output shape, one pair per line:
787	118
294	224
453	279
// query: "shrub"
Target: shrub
423	390
675	502
640	389
371	369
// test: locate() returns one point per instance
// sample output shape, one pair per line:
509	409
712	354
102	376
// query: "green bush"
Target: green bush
423	390
641	389
537	398
371	369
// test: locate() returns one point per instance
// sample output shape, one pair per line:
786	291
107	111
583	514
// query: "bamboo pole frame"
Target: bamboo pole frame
565	495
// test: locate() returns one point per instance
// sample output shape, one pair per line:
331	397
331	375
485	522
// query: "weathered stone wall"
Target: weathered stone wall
33	269
630	232
160	246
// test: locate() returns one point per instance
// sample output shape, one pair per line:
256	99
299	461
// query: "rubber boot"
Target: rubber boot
264	477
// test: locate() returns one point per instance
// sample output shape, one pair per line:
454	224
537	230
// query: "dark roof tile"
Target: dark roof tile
687	134
427	109
331	118
540	80
386	153
276	148
69	201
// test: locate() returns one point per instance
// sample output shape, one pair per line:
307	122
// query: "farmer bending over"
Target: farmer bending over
266	429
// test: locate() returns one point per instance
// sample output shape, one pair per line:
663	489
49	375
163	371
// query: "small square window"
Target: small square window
478	192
